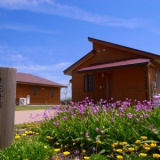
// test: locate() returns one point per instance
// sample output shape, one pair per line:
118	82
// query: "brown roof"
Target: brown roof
29	78
131	62
153	56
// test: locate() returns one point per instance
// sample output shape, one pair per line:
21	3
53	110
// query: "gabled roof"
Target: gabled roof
32	79
152	56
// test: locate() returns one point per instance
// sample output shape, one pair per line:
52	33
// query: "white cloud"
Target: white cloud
16	57
54	8
25	29
21	3
37	67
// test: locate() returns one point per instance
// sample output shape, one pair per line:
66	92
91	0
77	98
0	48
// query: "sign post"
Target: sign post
7	105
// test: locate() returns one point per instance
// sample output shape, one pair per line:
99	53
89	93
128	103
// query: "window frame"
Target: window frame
52	92
34	90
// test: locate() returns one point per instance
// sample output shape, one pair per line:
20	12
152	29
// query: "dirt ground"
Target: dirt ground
28	116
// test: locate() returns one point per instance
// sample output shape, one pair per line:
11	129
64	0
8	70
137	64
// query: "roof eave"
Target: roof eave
69	70
30	83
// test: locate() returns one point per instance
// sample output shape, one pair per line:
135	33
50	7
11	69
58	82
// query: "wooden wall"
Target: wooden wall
43	94
111	54
127	82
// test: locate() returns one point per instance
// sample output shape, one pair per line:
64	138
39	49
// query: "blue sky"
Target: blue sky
44	37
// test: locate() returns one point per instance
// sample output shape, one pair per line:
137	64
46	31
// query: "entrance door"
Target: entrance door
108	86
103	86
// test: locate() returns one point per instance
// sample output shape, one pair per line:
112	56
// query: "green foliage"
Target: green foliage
24	108
27	148
98	157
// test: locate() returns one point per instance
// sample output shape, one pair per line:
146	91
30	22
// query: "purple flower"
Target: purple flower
45	115
56	123
145	115
101	131
64	118
130	115
93	149
87	135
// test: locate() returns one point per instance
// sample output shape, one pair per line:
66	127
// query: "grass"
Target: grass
24	108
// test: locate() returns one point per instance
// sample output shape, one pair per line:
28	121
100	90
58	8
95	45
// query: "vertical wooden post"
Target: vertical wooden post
7	105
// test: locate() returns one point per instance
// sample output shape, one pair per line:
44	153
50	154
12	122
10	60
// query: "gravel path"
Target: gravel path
25	116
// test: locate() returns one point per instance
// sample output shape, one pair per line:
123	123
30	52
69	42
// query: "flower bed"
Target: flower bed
108	130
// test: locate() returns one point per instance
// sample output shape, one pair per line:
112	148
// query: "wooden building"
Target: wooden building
111	70
35	90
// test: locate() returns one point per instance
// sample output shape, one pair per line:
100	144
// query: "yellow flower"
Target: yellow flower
147	148
119	157
146	145
86	157
154	141
98	142
138	141
115	144
83	151
123	143
119	150
45	147
24	134
74	143
143	154
48	137
37	133
143	137
66	153
17	137
153	145
156	155
57	149
131	149
57	143
57	158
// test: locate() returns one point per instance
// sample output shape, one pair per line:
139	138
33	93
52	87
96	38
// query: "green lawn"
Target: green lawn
23	108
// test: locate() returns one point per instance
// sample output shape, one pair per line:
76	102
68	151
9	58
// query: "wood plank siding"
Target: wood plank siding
116	72
43	94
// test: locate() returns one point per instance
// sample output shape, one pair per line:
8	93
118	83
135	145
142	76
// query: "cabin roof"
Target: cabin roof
152	56
131	62
33	79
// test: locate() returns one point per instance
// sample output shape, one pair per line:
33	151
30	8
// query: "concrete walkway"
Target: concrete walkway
25	116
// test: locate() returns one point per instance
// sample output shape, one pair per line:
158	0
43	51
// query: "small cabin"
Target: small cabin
112	70
34	90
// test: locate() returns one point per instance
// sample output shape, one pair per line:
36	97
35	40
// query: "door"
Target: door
108	86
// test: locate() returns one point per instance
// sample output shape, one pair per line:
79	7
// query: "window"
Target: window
52	92
156	76
85	83
88	83
34	90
